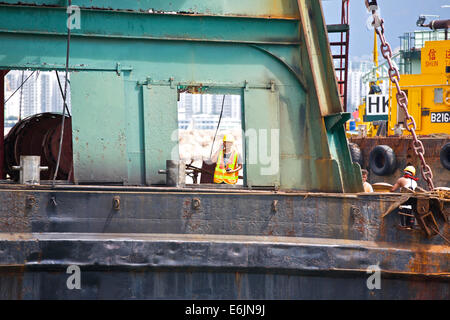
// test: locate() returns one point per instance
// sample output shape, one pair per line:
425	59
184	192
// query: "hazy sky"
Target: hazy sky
400	16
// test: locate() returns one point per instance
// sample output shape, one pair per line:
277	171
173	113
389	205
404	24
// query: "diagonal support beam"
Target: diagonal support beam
319	55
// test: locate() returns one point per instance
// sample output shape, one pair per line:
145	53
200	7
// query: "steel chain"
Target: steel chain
402	100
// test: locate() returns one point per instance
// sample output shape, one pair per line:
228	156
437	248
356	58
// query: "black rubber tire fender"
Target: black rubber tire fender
382	160
445	156
356	153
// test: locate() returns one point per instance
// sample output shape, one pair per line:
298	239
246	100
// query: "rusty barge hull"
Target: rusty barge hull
161	243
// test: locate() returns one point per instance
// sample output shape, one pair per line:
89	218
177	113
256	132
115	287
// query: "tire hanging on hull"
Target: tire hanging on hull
445	156
382	160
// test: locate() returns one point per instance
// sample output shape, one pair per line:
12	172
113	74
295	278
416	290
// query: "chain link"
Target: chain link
402	100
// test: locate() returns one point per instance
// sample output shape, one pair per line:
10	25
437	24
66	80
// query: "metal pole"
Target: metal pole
2	123
30	170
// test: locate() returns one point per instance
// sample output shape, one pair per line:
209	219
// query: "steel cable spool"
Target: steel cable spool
39	135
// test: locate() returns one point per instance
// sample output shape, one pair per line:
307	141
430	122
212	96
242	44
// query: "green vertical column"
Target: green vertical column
262	131
98	127
160	130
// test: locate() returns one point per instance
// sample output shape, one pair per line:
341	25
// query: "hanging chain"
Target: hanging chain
402	98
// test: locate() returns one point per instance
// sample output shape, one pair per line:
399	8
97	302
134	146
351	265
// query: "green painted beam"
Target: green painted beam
256	8
375	118
52	21
336	121
319	57
324	98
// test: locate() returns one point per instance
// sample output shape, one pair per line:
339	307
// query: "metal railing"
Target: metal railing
411	43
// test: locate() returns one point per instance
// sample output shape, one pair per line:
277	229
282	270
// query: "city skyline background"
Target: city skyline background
202	111
40	93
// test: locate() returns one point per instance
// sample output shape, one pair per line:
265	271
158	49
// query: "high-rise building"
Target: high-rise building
46	92
357	89
354	90
236	110
31	95
56	96
40	93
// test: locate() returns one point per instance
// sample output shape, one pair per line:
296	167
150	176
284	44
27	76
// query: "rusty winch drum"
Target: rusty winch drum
39	135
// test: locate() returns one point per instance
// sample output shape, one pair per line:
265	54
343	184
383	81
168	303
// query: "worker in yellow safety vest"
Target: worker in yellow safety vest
228	162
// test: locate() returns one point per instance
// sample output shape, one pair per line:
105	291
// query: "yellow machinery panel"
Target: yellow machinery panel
435	57
428	92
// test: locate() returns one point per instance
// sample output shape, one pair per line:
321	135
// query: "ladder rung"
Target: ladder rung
338	43
336	28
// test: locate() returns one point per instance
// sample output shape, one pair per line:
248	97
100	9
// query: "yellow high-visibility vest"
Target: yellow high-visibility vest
221	174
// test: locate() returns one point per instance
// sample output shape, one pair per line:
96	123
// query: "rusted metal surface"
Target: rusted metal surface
226	212
426	208
425	217
131	237
16	212
39	135
209	283
405	156
241	266
439	24
280	9
191	251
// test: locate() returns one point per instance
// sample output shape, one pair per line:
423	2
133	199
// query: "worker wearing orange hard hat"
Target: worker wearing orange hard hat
228	162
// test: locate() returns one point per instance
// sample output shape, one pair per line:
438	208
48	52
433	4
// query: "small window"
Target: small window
438	95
